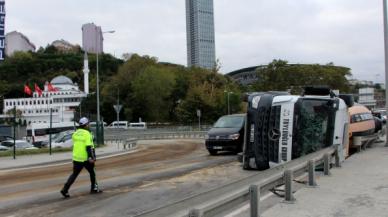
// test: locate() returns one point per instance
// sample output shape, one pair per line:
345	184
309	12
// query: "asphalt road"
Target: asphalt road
156	175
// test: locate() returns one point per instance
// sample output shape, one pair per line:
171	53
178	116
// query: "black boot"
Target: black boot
65	193
95	190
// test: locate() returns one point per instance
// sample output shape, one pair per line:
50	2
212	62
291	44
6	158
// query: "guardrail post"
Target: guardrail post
337	157
254	192
326	164
195	213
288	177
311	170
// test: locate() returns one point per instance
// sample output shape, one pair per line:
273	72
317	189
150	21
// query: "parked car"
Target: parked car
55	137
4	137
20	144
4	148
227	134
63	142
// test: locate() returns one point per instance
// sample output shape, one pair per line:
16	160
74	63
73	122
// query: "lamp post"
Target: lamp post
386	61
228	100
97	85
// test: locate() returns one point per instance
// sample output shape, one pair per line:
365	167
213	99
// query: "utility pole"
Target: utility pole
386	63
14	132
51	126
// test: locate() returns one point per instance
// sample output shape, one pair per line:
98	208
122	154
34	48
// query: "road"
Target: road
158	174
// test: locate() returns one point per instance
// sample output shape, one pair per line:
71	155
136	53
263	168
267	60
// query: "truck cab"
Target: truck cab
282	127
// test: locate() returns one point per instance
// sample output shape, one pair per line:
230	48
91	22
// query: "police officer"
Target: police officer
83	156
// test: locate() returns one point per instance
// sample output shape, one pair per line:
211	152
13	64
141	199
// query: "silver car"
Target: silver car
20	144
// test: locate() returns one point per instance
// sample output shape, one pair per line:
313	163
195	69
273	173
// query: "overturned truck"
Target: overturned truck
281	127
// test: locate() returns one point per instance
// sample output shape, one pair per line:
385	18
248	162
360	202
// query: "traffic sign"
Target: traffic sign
117	108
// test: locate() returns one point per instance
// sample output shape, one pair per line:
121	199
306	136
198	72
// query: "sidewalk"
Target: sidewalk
59	157
358	189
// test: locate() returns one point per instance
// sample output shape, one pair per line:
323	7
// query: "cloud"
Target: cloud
248	33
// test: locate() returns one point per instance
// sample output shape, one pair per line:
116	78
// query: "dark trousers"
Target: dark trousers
77	168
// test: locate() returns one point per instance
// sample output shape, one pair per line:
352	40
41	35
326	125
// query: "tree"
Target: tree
281	76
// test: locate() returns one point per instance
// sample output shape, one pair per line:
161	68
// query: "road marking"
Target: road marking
61	164
242	209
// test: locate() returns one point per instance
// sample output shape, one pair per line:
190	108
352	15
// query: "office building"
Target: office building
2	30
200	33
92	38
16	41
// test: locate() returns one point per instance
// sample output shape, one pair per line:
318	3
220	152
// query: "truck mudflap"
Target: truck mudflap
258	148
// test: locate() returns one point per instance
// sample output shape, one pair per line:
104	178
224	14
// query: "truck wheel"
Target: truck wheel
246	165
212	152
261	163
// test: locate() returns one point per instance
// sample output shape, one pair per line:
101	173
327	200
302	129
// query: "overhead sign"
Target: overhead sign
117	108
2	30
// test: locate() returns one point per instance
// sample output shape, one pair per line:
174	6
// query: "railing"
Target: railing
129	144
157	135
226	197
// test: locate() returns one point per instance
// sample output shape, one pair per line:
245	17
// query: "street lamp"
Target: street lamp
228	100
386	61
97	85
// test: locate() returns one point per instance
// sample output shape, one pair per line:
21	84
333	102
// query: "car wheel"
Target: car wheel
212	152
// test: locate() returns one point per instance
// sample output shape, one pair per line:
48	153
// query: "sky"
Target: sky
247	32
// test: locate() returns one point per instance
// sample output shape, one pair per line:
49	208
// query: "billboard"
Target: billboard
2	30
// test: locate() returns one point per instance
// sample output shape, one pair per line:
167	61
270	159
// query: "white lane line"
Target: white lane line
242	209
61	164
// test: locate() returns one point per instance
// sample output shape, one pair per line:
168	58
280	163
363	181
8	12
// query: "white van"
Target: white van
138	126
119	124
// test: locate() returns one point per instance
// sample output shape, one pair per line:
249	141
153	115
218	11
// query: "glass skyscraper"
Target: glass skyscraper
200	33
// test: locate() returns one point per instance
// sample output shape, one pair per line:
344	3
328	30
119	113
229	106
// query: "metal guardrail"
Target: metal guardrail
130	143
158	135
226	197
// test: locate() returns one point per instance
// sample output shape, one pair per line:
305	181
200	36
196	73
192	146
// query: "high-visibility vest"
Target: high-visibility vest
81	139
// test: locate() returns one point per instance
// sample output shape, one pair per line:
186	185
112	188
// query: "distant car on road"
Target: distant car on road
227	134
20	144
381	114
138	126
119	124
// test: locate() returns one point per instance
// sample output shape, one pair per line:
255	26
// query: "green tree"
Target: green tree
279	75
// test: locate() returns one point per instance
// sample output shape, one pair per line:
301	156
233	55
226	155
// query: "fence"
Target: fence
156	135
223	198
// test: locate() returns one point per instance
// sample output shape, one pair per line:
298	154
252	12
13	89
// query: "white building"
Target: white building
64	46
92	38
366	97
36	109
16	41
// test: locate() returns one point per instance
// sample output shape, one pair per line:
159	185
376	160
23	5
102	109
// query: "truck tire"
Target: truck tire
246	164
261	163
212	152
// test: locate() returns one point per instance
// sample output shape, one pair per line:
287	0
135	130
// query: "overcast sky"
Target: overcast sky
248	32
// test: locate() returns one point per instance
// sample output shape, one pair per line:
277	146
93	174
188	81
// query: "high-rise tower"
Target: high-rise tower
200	33
86	73
92	38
